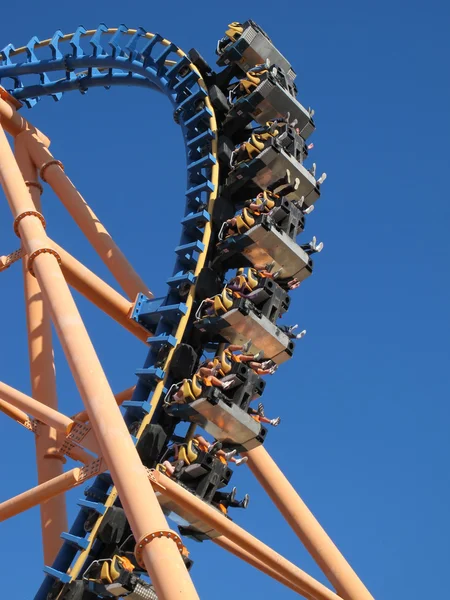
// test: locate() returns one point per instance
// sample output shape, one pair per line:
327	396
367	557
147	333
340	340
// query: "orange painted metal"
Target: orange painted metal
15	413
41	493
130	477
87	220
305	525
39	410
227	544
12	121
120	397
215	519
43	384
99	293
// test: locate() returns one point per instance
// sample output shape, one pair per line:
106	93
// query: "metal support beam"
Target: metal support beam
305	525
46	491
52	172
12	121
121	397
137	497
227	544
99	293
43	381
215	519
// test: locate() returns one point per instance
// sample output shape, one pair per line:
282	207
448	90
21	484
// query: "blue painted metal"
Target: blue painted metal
150	375
133	60
162	339
79	542
57	574
88	504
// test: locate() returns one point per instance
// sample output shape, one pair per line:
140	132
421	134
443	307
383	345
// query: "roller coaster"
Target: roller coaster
165	447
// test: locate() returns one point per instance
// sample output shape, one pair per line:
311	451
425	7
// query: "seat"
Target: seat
188	393
225	361
252	278
188	453
248	217
227	298
219	308
196	386
241	225
252	80
235	30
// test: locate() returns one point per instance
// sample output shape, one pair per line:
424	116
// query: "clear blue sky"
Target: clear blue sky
365	400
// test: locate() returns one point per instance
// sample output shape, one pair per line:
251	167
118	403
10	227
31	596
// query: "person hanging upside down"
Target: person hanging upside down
215	448
208	376
289	331
312	247
254	361
259	416
226	500
202	444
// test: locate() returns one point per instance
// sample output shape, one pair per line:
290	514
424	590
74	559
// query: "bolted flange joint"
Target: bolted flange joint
27	213
47	165
36	253
150	537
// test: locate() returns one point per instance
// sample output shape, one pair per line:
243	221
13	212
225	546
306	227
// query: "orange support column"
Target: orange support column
52	172
12	121
99	293
227	544
43	384
311	588
44	492
308	529
157	545
120	398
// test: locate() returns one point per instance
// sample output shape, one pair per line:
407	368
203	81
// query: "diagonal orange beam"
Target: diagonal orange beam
48	490
40	411
216	520
15	413
99	292
120	398
129	476
52	172
230	546
338	571
12	121
49	460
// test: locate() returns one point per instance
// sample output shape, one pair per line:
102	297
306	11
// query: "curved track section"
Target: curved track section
246	117
105	57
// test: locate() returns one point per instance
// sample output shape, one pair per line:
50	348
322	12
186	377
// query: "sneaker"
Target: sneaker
215	447
270	266
233	495
308	210
244	502
246	347
259	355
277	273
319	247
274	422
261	409
300	335
229	454
226	385
241	461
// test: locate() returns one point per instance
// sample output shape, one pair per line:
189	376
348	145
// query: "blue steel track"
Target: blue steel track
104	58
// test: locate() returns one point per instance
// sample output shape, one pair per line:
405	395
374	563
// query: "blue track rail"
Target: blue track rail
105	58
